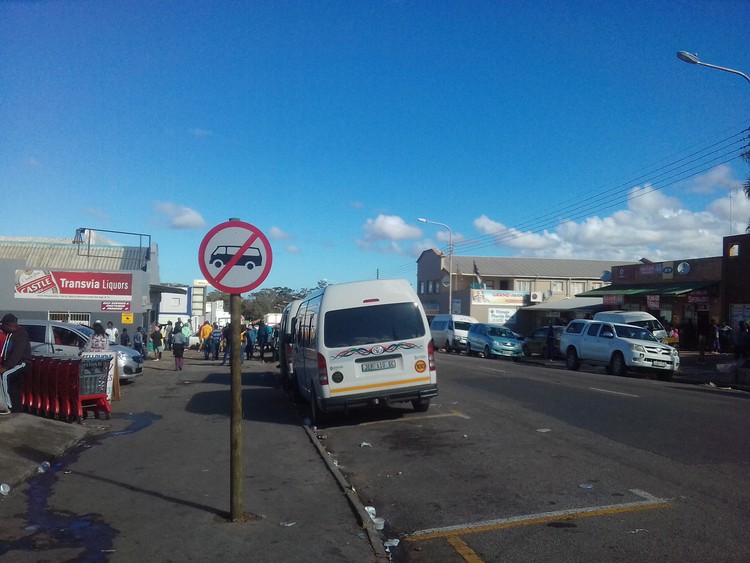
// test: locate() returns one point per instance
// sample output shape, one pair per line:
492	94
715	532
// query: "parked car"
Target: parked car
449	331
54	338
493	341
536	342
618	347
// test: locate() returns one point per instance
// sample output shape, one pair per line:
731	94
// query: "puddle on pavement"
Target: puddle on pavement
48	529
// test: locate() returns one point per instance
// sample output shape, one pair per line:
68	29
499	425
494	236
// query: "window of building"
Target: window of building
430	286
523	285
489	284
558	287
70	317
734	250
596	285
421	288
577	287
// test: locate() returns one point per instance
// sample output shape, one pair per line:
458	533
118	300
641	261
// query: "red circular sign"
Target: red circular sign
235	257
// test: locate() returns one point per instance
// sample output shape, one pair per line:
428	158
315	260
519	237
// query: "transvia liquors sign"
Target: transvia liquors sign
56	284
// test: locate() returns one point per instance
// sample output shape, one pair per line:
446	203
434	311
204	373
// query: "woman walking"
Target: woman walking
179	340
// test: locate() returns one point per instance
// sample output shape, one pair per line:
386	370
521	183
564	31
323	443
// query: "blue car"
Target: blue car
493	341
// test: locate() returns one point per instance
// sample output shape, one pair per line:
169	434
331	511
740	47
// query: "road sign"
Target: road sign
235	257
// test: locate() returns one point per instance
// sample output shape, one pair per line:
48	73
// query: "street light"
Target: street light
694	60
450	260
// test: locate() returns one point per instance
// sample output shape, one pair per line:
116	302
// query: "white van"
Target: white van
288	320
450	331
362	343
636	318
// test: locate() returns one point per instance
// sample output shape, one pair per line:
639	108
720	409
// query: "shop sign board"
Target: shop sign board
58	284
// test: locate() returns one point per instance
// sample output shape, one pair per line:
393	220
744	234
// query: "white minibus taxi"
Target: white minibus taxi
363	343
286	326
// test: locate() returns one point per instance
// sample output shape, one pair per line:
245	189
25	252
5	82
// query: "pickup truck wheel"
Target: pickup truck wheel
617	365
571	360
487	353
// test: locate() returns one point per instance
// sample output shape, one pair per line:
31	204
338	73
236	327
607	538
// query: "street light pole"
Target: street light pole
450	260
694	60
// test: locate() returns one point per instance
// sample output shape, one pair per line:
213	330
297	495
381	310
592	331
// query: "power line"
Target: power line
722	151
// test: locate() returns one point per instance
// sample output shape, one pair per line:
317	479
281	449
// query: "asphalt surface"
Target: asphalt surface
299	505
154	481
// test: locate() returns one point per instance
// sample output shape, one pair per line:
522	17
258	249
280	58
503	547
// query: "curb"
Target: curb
376	542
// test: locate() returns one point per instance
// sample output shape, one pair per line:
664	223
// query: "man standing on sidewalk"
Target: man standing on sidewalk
15	360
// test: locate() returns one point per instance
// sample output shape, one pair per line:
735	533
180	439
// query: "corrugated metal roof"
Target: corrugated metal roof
47	253
532	267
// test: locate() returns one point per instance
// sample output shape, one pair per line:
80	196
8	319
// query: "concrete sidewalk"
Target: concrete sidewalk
158	473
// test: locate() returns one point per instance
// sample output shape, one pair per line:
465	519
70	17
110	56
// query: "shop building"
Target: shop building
81	282
520	292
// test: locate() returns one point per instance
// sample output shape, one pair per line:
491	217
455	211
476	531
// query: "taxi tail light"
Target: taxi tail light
322	370
431	355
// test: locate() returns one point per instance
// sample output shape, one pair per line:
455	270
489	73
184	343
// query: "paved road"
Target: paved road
556	466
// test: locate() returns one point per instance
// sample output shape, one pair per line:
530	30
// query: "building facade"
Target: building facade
498	290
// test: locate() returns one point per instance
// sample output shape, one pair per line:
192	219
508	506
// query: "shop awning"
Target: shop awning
675	288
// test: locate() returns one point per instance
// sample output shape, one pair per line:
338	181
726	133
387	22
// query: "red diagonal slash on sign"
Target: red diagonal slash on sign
229	265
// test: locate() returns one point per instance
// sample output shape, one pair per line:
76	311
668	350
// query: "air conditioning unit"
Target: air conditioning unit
536	297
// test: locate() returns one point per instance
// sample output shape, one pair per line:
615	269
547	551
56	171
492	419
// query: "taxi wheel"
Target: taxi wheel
420	405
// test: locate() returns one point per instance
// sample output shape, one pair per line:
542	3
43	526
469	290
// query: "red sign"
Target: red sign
115	305
73	285
235	257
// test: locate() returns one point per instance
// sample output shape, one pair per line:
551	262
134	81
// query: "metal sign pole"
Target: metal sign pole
235	302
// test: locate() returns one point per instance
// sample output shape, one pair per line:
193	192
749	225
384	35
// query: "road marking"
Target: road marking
464	550
613	392
650	502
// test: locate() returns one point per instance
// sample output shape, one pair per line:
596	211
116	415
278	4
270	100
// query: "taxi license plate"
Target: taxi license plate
377	366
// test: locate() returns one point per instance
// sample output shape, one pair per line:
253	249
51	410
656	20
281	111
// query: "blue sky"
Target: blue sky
540	129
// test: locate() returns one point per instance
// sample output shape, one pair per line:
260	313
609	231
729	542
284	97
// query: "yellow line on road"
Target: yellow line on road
464	550
650	503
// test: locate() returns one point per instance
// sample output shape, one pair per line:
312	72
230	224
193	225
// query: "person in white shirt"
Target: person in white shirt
112	333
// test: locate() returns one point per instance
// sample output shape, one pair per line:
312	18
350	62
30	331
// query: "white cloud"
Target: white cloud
180	217
292	249
97	213
719	178
382	233
277	233
654	226
357	204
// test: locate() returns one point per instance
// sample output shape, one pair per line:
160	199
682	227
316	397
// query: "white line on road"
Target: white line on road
613	392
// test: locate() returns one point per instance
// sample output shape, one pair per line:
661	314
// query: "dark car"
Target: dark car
536	342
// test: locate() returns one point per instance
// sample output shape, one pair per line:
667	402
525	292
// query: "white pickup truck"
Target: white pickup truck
617	347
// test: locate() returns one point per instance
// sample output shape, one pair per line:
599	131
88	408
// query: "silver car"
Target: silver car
54	338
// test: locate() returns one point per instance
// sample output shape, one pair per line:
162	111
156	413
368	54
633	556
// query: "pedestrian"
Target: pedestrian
226	336
125	338
99	341
262	340
250	336
168	335
714	334
204	334
739	338
215	341
112	333
550	343
15	359
178	349
157	339
138	341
